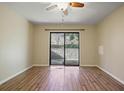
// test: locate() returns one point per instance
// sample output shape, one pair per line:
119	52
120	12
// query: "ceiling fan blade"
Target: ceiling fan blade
65	12
51	7
76	4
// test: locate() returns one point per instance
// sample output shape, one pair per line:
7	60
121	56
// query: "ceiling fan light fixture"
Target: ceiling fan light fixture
76	4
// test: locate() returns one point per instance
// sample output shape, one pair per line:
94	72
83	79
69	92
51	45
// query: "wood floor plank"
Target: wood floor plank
60	78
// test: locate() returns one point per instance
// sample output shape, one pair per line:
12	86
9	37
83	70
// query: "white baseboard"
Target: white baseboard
5	80
110	74
89	65
40	65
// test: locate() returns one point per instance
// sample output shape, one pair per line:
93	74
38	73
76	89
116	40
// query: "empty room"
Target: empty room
61	46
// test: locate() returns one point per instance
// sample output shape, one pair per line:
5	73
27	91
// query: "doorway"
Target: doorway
64	48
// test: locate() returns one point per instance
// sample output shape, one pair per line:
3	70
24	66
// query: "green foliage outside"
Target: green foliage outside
72	36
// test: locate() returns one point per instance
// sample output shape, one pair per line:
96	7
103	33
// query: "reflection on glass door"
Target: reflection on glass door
71	48
64	48
57	49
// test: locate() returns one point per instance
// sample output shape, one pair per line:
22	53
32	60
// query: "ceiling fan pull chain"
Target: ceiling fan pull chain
62	17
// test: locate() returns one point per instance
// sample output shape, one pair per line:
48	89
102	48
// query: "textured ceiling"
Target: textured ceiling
92	13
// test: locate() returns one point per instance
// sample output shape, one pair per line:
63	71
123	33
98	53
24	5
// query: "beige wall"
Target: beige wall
87	40
15	43
111	37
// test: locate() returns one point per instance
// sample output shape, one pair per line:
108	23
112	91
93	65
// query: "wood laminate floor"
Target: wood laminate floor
58	78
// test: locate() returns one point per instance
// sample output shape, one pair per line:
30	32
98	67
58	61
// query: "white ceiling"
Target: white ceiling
92	13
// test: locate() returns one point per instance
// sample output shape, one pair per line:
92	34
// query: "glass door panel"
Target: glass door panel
72	48
57	48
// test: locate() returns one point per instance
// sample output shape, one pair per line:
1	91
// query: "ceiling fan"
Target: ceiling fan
65	6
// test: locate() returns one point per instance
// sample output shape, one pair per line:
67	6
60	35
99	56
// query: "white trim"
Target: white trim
40	65
89	65
5	80
111	74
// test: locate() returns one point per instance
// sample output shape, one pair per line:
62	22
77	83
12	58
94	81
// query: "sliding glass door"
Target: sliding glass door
64	48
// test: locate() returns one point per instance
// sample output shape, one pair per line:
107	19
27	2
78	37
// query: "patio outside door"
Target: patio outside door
64	48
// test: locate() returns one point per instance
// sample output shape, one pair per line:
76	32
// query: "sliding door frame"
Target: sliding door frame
64	48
